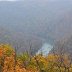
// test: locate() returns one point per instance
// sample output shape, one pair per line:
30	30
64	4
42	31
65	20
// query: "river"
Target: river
46	47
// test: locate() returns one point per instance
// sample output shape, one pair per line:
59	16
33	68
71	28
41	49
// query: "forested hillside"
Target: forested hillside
34	22
30	28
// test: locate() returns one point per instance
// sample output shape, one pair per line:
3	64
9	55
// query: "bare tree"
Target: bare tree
17	46
60	51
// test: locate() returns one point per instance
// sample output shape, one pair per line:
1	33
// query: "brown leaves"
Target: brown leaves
9	62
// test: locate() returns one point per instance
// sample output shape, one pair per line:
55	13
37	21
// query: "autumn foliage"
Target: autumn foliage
12	62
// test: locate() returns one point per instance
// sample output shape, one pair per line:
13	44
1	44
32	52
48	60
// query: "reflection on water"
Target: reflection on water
45	49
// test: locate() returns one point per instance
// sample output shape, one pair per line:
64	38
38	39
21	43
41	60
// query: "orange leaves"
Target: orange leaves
9	62
5	49
1	52
18	69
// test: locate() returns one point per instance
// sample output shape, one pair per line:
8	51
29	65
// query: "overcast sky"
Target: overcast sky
26	0
11	0
7	0
33	0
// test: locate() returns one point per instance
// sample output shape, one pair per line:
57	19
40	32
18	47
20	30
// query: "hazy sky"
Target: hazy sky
35	0
8	0
11	0
27	0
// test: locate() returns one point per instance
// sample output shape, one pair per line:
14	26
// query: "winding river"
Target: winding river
46	47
